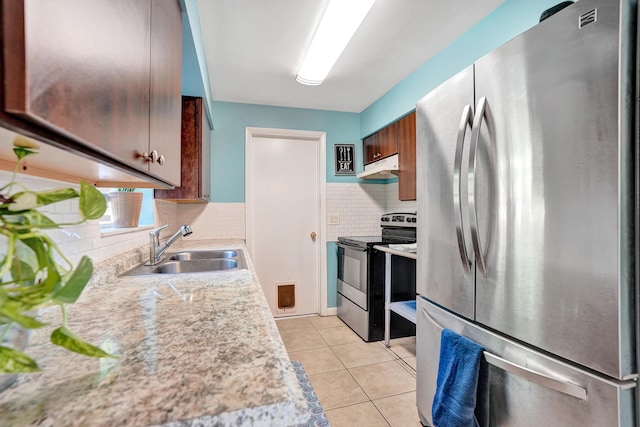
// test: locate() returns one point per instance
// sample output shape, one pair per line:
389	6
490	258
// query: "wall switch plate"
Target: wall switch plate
334	219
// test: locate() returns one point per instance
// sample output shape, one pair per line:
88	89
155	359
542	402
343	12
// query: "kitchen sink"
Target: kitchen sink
197	266
193	262
197	255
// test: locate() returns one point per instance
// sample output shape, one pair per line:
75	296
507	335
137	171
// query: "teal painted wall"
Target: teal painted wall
228	140
510	19
146	211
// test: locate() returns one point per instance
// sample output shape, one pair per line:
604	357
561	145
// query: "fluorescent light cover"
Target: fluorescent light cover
340	21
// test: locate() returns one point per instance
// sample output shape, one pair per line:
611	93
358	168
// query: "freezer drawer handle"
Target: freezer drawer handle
536	377
465	120
526	373
481	110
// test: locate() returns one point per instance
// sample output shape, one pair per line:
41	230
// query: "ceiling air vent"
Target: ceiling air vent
588	18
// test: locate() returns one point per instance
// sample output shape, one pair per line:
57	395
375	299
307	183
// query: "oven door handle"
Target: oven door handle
353	248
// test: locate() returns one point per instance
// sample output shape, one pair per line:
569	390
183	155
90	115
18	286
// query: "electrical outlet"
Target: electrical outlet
334	219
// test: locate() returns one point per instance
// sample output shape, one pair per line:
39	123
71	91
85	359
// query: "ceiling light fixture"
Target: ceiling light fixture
340	21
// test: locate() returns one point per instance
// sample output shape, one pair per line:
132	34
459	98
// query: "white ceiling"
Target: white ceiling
254	48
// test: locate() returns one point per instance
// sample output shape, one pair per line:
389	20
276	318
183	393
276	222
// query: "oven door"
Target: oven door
352	273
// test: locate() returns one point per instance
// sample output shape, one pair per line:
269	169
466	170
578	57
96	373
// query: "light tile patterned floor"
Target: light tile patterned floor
358	383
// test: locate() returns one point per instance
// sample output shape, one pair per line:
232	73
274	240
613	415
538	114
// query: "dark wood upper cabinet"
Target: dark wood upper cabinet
195	175
407	157
381	144
397	138
99	77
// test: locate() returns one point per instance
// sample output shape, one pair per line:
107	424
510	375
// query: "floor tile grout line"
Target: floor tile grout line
388	351
382	398
359	385
406	367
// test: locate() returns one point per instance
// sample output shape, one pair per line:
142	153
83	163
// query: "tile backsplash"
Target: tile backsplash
359	207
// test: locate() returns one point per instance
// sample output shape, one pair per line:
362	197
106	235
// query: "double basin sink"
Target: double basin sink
194	262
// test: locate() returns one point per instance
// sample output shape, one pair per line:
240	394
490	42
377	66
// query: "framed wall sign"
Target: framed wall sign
344	159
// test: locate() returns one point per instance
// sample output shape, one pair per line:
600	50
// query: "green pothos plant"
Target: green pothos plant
34	272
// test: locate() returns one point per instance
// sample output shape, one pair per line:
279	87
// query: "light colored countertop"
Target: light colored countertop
405	254
196	349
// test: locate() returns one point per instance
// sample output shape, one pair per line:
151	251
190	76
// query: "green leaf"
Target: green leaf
67	339
26	200
37	246
38	219
23	201
12	310
14	361
25	264
48	197
71	290
53	280
92	204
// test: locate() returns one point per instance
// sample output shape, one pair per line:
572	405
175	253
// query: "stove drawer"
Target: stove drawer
355	295
355	317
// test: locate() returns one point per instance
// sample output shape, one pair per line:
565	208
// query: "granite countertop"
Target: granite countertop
397	252
196	349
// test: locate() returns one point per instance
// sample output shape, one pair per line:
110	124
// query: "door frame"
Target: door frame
321	142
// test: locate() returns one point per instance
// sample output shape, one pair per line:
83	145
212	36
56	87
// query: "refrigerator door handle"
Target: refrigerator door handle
481	110
465	120
536	377
544	380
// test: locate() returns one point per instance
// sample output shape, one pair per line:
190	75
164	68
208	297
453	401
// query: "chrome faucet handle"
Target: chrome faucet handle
156	231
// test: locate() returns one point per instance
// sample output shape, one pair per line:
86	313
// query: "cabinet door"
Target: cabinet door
407	157
81	68
194	175
165	88
370	148
388	141
205	160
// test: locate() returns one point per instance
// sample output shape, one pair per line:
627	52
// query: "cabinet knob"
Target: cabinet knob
161	160
151	158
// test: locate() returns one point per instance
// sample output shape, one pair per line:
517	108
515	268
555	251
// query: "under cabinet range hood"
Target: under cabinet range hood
382	169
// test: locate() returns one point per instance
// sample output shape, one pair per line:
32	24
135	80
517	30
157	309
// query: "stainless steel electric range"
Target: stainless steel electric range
361	278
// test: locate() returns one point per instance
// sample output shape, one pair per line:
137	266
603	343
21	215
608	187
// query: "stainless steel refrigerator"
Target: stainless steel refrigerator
527	193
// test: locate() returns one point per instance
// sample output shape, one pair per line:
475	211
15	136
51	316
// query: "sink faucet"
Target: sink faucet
155	249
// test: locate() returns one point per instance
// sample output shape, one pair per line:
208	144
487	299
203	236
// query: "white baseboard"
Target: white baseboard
332	311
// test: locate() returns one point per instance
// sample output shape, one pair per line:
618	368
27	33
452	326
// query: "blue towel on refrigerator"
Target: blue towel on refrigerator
457	386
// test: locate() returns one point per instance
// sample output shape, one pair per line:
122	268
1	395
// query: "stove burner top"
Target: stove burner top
396	228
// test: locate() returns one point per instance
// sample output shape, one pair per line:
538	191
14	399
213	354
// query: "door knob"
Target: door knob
313	235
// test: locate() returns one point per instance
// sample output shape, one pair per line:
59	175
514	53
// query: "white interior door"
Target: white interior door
283	183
